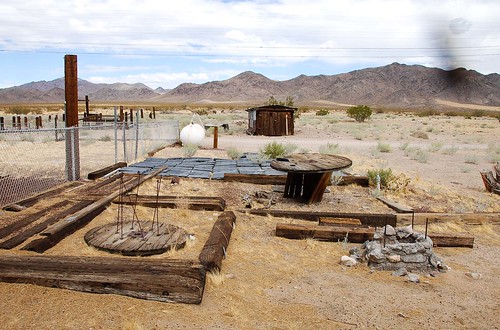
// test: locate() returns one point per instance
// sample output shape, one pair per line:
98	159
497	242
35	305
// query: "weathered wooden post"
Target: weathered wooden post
87	111
154	113
131	116
37	124
72	136
121	114
26	122
216	137
13	122
19	122
2	123
142	113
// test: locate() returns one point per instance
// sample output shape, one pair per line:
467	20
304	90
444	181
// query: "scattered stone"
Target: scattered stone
348	261
434	273
404	232
175	180
414	278
230	276
414	258
394	258
474	275
389	230
400	272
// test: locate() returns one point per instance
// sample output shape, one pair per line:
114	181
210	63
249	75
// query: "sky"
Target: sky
165	43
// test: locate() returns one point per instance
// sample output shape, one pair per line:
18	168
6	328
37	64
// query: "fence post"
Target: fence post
154	113
26	122
131	116
19	122
55	127
72	136
115	122
142	113
136	133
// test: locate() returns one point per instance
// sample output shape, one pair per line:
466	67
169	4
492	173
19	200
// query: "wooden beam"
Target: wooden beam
69	225
369	219
436	217
189	202
452	240
216	245
340	222
71	89
255	178
175	281
354	179
324	233
29	219
399	208
33	230
102	172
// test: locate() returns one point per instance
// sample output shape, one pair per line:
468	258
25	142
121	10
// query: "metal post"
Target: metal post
116	135
426	226
136	132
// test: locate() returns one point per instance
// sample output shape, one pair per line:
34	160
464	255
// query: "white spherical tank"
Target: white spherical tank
192	134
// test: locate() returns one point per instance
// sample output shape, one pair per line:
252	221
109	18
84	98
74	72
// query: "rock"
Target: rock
355	251
400	272
348	261
175	180
394	258
404	232
414	258
435	261
414	278
474	275
376	256
389	230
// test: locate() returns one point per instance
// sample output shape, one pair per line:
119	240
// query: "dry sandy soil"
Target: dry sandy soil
268	282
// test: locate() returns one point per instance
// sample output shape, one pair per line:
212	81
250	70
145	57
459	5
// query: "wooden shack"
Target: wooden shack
271	120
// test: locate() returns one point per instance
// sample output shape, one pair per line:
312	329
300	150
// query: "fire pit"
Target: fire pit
398	248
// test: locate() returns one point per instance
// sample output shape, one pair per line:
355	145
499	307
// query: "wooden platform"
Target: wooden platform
148	239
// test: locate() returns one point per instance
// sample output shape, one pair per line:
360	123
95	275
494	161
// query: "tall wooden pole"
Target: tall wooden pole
72	136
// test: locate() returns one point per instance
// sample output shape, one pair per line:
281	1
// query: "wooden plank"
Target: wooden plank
311	163
44	195
399	208
324	233
69	225
354	179
369	219
24	235
102	172
190	202
214	249
29	219
174	281
340	222
452	240
419	218
255	178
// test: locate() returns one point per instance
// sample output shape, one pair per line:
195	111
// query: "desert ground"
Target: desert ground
268	282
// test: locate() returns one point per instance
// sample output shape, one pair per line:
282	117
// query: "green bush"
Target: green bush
273	150
322	112
385	177
384	147
360	113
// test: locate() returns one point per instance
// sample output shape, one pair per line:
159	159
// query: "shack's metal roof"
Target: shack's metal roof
272	108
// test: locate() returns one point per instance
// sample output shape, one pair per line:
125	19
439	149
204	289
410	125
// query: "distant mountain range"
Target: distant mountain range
395	85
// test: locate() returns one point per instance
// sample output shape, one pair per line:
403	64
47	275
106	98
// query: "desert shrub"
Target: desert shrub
17	110
478	113
493	153
384	147
189	149
360	113
273	150
329	148
427	113
322	112
435	146
420	135
290	148
471	159
105	138
201	112
388	180
385	177
419	155
404	146
449	150
233	153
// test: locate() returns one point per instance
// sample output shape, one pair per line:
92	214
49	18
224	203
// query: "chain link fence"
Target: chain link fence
33	160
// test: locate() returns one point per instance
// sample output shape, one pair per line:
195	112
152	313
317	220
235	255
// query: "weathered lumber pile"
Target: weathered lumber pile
177	281
188	202
491	179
